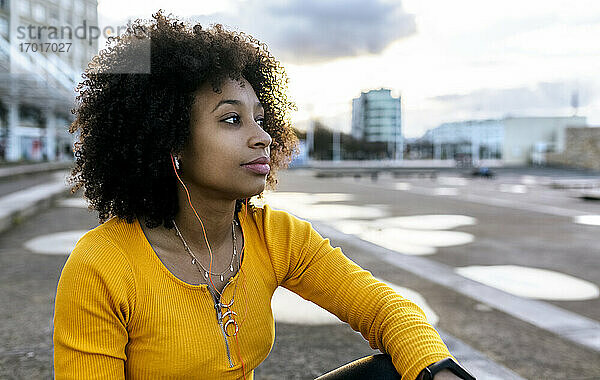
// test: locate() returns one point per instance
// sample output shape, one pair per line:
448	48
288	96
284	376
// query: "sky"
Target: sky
448	60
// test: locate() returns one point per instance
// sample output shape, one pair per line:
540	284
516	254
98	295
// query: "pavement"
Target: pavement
497	335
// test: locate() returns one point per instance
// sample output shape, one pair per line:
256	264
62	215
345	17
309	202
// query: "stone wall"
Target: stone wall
582	149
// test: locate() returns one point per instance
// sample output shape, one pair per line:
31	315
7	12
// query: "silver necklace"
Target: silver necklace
197	262
229	315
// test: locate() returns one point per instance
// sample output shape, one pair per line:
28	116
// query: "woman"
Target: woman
177	280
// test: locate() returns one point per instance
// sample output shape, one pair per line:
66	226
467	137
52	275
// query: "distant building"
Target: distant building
376	117
475	139
39	70
581	150
514	140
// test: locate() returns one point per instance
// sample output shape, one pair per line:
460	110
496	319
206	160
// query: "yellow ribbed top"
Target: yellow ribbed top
120	313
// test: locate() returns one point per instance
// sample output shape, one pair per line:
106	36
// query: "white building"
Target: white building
376	117
513	140
526	137
44	48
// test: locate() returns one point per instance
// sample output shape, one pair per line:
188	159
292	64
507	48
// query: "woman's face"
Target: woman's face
226	134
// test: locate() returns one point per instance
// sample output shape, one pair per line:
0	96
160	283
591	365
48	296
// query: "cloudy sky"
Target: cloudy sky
449	60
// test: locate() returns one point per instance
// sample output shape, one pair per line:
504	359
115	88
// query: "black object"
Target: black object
483	172
374	367
448	363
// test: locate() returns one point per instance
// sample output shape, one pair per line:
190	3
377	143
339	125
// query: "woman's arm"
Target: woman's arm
323	274
94	303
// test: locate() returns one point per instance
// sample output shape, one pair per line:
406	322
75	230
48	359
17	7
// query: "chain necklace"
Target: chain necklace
225	315
197	262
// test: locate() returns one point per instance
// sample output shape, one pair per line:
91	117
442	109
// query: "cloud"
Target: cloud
550	98
311	31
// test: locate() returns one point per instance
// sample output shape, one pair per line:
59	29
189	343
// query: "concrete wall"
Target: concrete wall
582	149
522	133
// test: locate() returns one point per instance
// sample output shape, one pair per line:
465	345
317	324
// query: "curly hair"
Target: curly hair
130	122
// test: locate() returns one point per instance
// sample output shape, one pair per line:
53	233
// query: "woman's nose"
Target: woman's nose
262	138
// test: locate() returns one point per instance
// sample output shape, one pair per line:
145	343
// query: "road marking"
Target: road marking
452	181
564	323
476	362
488	200
426	222
297	204
510	188
404	186
498	202
532	283
448	191
591	220
402	240
288	307
60	243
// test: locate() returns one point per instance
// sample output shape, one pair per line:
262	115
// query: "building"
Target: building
581	150
475	139
513	140
44	48
376	117
525	137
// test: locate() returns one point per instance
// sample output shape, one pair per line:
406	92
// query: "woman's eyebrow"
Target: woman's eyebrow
234	102
227	101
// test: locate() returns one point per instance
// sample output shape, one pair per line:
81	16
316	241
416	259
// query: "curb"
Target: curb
18	206
18	170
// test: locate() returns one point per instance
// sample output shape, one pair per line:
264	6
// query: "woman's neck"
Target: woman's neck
216	215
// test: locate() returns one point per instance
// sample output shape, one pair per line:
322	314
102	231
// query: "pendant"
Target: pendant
205	274
231	268
221	278
193	261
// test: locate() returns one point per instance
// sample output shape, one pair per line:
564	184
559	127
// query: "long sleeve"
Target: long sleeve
308	265
94	302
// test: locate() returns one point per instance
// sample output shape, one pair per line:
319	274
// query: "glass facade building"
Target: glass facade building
42	57
376	117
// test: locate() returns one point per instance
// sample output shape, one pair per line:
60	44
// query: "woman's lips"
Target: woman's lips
258	168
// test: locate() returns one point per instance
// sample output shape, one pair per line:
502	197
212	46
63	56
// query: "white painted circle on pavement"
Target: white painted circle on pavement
390	240
529	180
591	220
335	212
515	189
60	243
392	236
384	233
333	197
445	191
532	282
452	181
363	230
427	222
288	307
281	199
403	186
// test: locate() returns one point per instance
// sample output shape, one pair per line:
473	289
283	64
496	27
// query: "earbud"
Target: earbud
176	161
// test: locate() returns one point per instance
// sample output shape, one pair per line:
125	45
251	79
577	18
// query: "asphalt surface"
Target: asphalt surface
505	234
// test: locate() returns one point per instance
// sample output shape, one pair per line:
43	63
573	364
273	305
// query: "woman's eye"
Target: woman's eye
261	122
235	119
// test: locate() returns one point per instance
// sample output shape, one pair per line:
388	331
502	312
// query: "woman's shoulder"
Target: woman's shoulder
105	242
271	219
